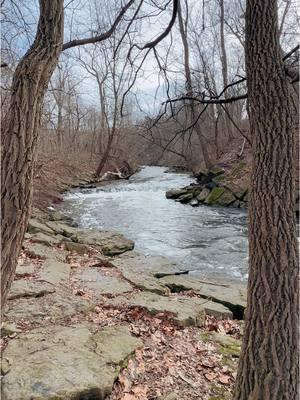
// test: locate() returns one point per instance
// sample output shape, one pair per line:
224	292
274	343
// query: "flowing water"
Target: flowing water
208	241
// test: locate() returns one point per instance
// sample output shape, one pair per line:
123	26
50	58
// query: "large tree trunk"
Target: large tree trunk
20	133
268	368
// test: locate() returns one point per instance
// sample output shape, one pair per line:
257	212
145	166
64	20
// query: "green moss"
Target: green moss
227	346
219	393
226	199
218	179
214	195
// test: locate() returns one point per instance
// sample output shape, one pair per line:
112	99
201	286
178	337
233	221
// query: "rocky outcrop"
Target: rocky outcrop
50	353
65	362
51	233
215	188
210	189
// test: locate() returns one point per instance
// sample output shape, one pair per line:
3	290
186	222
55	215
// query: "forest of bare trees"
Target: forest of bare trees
174	83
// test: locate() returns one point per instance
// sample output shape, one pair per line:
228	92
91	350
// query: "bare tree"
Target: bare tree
269	363
20	128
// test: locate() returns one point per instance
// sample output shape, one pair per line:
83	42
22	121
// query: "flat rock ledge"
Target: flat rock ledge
232	296
59	362
55	360
51	233
184	311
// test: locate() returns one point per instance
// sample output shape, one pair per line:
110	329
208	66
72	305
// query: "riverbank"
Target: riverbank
89	316
226	184
54	175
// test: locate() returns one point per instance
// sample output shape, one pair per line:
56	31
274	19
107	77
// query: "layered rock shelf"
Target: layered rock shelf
214	188
211	189
54	349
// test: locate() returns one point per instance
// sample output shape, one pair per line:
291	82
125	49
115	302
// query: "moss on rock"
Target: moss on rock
214	195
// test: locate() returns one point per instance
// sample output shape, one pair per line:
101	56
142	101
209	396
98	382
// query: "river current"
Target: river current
210	242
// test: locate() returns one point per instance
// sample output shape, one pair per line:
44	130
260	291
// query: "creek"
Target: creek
210	242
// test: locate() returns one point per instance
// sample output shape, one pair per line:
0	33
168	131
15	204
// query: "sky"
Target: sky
81	18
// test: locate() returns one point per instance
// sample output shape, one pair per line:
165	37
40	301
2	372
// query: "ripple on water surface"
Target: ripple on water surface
208	241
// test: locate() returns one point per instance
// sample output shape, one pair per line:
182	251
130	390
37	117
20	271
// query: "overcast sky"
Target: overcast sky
80	20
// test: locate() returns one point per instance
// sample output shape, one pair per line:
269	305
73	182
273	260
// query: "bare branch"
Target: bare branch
103	36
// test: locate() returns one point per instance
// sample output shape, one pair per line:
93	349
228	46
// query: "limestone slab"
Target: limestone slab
51	308
66	363
110	243
183	311
26	288
99	283
234	295
55	272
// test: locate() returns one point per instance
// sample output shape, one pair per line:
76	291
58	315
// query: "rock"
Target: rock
58	216
59	362
185	198
55	272
62	229
48	308
184	311
99	283
79	248
42	251
203	195
38	214
23	288
35	226
206	176
24	270
211	185
228	346
240	195
169	396
175	193
142	271
194	203
226	199
110	243
234	296
87	186
176	169
216	310
8	329
45	239
218	179
214	195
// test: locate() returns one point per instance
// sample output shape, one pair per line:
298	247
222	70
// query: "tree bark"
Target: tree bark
20	132
268	367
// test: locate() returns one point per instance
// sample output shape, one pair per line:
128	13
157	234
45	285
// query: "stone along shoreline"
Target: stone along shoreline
54	345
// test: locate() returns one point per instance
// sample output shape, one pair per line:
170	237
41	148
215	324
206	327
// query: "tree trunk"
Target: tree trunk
189	88
228	123
104	159
268	367
59	128
20	133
